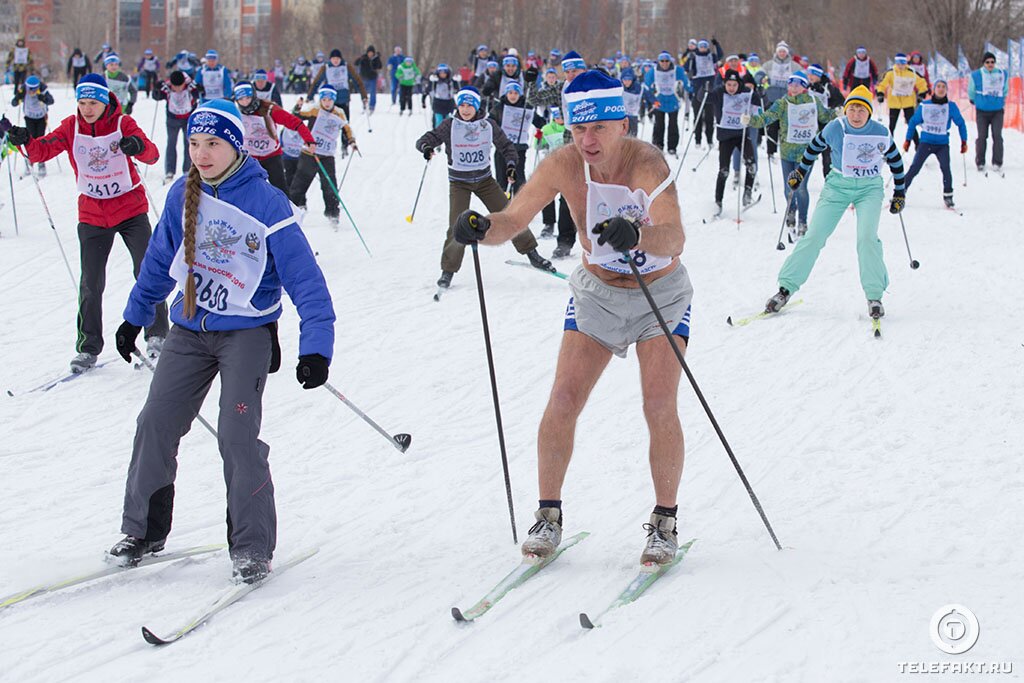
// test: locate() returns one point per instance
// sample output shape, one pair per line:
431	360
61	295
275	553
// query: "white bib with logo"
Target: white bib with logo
505	80
230	258
291	143
326	130
179	102
863	155
213	84
264	94
733	107
935	118
554	140
337	76
299	69
665	82
184	64
992	83
120	89
632	102
515	123
258	140
102	166
903	86
34	108
471	145
21	55
442	90
78	61
802	122
822	97
861	68
780	73
607	201
705	65
150	64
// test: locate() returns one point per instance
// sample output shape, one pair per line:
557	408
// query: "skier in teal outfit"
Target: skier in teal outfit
859	147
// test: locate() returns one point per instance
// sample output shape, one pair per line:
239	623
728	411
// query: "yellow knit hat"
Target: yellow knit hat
859	95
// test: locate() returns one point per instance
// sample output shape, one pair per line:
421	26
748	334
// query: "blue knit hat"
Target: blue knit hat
259	75
111	58
799	77
510	60
665	54
513	85
593	96
93	87
329	91
468	95
243	89
628	74
491	64
573	60
32	82
220	118
212	54
703	45
900	58
816	70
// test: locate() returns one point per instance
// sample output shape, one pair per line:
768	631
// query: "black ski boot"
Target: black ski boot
539	262
446	279
249	569
776	303
875	309
948	199
129	551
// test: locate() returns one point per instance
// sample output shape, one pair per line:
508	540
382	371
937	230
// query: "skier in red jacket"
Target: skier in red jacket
100	142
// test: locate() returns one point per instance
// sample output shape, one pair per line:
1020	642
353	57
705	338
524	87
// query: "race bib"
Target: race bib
102	166
665	82
515	123
213	84
150	65
505	80
554	140
861	68
258	140
337	76
291	143
34	109
78	62
230	258
179	102
21	55
802	122
992	83
705	66
863	155
264	94
936	118
326	130
632	102
120	89
299	70
780	74
733	107
903	86
471	145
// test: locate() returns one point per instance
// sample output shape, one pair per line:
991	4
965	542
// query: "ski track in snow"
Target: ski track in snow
890	469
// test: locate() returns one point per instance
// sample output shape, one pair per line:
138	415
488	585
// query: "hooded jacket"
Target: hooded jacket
102	213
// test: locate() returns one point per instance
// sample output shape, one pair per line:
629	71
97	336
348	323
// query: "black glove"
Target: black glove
471	227
795	177
899	200
18	136
14	101
5	125
128	108
510	173
530	75
275	349
311	370
618	232
132	145
428	153
714	41
880	97
125	340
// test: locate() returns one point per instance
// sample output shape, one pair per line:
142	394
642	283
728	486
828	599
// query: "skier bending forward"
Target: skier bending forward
620	194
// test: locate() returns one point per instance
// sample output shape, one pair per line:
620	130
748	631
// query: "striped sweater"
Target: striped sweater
833	137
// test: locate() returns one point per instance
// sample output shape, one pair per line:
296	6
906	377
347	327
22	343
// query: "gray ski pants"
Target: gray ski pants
188	364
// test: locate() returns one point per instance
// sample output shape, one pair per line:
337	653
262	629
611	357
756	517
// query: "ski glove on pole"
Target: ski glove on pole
899	200
312	370
125	338
132	145
471	227
18	136
618	232
795	177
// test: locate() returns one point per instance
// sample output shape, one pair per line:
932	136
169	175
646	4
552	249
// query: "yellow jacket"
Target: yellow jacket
901	84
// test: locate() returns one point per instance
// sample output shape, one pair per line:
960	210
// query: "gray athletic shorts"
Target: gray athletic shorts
616	317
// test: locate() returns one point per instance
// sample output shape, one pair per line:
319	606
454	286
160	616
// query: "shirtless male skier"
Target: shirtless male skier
620	194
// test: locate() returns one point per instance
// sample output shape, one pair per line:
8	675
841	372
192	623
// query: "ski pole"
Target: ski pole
739	195
145	187
152	368
10	184
408	219
781	245
706	155
369	126
964	156
689	140
494	385
914	265
700	396
399	441
347	164
771	182
49	217
152	130
338	195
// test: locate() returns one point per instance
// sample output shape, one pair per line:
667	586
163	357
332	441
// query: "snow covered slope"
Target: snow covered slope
891	470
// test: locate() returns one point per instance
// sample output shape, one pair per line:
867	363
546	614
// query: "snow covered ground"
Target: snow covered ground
891	470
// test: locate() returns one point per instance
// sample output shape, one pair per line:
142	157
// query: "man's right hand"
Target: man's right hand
744	119
880	97
471	227
795	177
530	75
125	338
428	153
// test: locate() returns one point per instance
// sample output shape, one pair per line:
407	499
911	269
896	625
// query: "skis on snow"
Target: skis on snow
517	577
109	570
223	601
740	322
876	327
553	272
46	386
644	579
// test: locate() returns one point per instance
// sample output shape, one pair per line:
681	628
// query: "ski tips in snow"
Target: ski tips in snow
457	616
585	621
876	327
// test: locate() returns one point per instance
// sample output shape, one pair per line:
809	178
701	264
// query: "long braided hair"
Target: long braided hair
193	190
